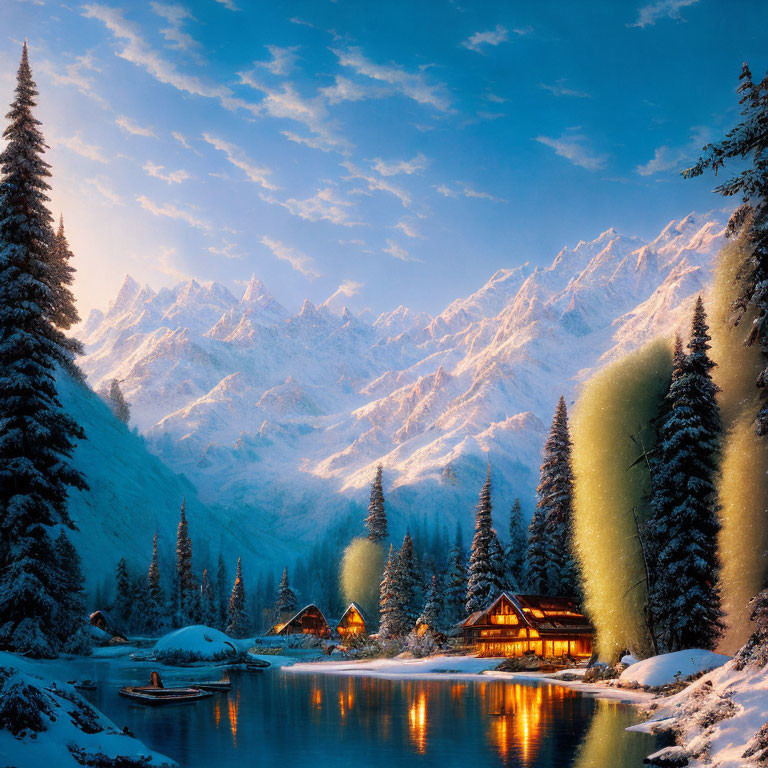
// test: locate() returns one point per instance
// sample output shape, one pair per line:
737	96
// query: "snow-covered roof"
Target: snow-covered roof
556	613
356	607
298	616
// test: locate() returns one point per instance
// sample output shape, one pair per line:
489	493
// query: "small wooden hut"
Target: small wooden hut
101	620
352	622
308	621
516	624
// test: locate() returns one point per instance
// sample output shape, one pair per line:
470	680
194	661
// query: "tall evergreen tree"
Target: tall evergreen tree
407	580
64	313
209	609
481	581
456	582
684	524
376	522
434	610
237	615
514	555
36	436
286	598
221	588
71	620
121	607
537	565
747	145
555	500
185	580
117	402
498	570
156	597
391	616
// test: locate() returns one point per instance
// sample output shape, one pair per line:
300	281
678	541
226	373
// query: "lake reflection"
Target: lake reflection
279	718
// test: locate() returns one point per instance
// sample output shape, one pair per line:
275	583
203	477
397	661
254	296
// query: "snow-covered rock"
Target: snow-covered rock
197	643
629	660
671	667
274	415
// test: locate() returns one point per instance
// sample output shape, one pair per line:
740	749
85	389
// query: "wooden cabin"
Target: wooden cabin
308	621
516	624
352	622
101	620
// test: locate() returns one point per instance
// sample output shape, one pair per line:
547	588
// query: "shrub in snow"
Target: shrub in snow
21	706
421	645
757	749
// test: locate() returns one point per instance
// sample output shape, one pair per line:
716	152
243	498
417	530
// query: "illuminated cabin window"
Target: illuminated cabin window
572	614
504	618
534	633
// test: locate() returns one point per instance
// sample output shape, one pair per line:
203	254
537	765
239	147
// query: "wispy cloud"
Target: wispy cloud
171	211
164	264
559	88
80	147
414	165
492	37
347	288
171	177
375	184
228	4
175	15
573	147
282	60
74	75
397	251
257	174
460	189
132	127
227	250
345	89
287	103
184	141
648	15
408	229
105	191
413	85
136	50
324	205
298	260
666	158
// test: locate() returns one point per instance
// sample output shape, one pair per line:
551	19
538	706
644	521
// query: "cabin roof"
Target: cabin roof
357	608
560	614
300	613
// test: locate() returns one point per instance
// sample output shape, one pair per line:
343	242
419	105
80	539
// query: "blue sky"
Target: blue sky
387	153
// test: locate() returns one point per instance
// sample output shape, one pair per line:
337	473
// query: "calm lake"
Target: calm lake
278	718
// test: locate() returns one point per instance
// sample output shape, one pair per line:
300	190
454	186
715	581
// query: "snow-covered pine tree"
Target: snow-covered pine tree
286	598
432	616
389	610
684	525
138	620
456	582
209	609
117	402
755	651
72	623
514	554
36	436
407	581
498	570
555	500
121	607
376	522
155	598
64	314
537	555
221	589
747	145
185	580
237	615
481	581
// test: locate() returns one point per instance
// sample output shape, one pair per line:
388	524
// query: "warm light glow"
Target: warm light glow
501	618
417	722
217	713
233	705
317	698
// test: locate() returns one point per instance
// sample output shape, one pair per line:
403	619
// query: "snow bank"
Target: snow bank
48	723
197	643
433	667
671	667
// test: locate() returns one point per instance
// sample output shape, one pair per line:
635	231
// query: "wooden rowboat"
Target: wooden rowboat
214	686
148	694
256	665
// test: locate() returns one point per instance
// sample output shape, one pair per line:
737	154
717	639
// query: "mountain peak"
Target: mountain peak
125	296
255	292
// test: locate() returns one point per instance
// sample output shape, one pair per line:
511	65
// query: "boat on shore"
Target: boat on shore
146	694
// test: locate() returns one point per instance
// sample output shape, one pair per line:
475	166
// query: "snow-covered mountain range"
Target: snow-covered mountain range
281	418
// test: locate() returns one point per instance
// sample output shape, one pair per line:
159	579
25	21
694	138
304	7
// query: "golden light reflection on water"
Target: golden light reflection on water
233	707
417	721
217	713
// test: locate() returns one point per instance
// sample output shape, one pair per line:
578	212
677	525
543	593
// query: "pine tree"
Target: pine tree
755	651
185	580
36	436
537	555
497	568
121	608
456	582
555	501
286	598
209	610
748	141
481	582
376	522
119	405
221	588
71	622
407	582
156	598
514	555
138	617
684	525
64	313
434	610
237	615
388	608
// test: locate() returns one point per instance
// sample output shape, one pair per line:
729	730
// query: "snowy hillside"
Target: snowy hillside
132	494
274	414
